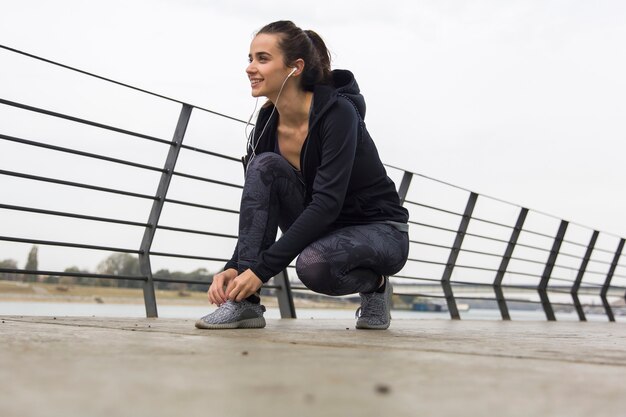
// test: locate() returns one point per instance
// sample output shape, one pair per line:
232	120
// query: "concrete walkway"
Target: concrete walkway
165	367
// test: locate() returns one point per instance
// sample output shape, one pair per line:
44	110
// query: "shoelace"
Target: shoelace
371	306
228	305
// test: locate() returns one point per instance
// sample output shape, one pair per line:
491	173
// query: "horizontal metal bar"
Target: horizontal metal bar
479	268
491	238
82	121
569	255
71	215
527	260
433	208
582	245
526	274
80	153
181	281
532	247
477	284
527	287
461	249
426	261
595	261
558	291
199	232
430	226
190	204
207	152
476	252
434	245
196	282
517	300
494	239
432	179
533	232
507	226
467	297
272	287
420	295
521	300
67	244
489	254
598	249
300	287
417	278
195	177
70	274
182	256
74	184
116	82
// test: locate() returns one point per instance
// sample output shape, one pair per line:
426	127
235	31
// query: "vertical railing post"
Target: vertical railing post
157	206
284	296
547	272
454	254
497	283
607	283
404	186
581	273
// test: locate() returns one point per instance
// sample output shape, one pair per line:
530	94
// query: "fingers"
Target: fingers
243	294
216	290
226	279
221	295
233	288
239	290
241	287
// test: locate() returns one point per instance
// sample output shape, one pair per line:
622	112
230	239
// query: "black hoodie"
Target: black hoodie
345	181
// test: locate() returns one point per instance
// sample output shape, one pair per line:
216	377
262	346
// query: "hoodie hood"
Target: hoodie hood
345	84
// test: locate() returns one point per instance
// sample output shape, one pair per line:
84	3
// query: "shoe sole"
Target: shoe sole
366	326
256	323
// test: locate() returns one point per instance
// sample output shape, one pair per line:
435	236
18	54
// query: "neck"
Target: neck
293	106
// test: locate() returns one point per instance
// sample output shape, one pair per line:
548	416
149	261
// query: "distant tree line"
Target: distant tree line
117	264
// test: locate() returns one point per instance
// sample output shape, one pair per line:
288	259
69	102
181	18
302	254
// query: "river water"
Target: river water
25	308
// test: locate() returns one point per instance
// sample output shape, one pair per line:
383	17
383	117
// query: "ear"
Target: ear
299	65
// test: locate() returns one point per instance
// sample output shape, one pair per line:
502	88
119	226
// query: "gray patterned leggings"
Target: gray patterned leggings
345	261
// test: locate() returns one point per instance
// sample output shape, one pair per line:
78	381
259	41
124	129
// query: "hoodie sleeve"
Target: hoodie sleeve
338	133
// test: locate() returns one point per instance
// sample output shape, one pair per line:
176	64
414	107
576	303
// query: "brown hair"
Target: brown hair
296	43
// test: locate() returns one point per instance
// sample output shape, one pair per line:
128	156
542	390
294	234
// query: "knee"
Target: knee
263	161
314	272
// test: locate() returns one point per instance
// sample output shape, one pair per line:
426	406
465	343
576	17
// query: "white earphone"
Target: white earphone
249	137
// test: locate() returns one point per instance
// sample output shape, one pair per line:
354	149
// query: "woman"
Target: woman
312	170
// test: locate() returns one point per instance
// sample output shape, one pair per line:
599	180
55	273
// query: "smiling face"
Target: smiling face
266	69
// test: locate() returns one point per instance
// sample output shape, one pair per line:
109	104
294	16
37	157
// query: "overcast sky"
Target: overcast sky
520	100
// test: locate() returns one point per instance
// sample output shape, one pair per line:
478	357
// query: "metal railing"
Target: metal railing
459	248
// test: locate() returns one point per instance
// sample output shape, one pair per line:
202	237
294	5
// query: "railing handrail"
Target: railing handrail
49	61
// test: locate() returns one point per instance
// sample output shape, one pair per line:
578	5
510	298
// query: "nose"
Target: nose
250	69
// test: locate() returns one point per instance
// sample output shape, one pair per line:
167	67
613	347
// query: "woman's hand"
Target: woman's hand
243	286
216	290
